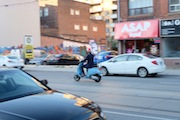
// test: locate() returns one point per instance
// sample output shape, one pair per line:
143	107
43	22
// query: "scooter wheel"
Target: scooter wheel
76	78
98	78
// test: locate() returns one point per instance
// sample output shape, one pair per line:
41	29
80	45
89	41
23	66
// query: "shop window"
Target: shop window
172	47
138	7
174	5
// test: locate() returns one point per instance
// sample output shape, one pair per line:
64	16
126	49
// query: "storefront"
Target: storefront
170	34
138	36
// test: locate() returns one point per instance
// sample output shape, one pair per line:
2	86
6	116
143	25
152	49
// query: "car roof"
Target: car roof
140	54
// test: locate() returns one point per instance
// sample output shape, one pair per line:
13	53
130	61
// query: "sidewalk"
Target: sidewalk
72	68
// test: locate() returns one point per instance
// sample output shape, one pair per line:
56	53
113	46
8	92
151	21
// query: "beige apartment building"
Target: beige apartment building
18	19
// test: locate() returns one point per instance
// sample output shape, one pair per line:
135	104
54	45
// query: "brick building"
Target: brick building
70	22
150	24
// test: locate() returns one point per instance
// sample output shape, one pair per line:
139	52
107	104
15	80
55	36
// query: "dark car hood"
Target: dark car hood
47	106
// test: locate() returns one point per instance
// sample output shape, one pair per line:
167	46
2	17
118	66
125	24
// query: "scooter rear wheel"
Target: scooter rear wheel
76	78
98	78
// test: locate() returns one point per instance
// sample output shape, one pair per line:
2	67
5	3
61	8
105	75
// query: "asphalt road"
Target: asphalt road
124	97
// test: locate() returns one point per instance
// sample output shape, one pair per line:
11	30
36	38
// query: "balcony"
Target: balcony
114	7
113	16
112	25
95	2
112	33
97	17
96	9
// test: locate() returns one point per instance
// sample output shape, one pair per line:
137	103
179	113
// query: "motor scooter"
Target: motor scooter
92	73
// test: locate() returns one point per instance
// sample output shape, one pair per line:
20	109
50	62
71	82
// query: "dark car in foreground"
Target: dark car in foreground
104	56
24	97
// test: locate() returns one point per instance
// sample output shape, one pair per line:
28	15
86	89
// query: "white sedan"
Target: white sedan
11	61
133	63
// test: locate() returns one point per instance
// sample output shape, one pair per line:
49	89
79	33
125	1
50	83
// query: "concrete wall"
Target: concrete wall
19	18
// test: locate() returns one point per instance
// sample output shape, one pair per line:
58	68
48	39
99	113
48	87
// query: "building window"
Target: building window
46	11
107	30
114	11
77	12
85	28
139	7
41	13
114	2
95	29
77	27
115	20
174	5
71	12
107	21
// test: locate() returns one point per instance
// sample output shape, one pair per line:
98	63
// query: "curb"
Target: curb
72	68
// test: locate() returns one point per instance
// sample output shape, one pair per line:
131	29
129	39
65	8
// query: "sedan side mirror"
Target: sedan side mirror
44	82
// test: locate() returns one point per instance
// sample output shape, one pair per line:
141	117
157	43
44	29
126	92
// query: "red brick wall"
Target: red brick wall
50	41
66	21
161	11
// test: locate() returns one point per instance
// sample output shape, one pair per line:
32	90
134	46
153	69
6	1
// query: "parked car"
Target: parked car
11	61
64	59
104	56
133	63
41	60
37	60
44	61
24	97
79	57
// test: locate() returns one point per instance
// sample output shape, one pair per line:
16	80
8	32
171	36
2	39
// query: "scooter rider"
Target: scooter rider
89	60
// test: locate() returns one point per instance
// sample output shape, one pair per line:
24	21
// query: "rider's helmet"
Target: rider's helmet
88	49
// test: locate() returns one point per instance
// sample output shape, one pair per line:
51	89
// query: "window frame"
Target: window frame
76	27
46	12
169	5
151	9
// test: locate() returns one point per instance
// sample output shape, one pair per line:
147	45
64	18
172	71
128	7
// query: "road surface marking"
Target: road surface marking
135	115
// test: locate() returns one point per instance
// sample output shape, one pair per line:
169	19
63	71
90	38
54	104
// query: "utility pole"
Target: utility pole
119	19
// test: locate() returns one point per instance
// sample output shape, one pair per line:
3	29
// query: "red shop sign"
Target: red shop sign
137	29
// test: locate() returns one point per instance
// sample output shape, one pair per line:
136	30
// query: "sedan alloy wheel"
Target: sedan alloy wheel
142	72
104	71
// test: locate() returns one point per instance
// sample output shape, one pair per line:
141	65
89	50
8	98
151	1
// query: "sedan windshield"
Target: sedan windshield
12	57
16	83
